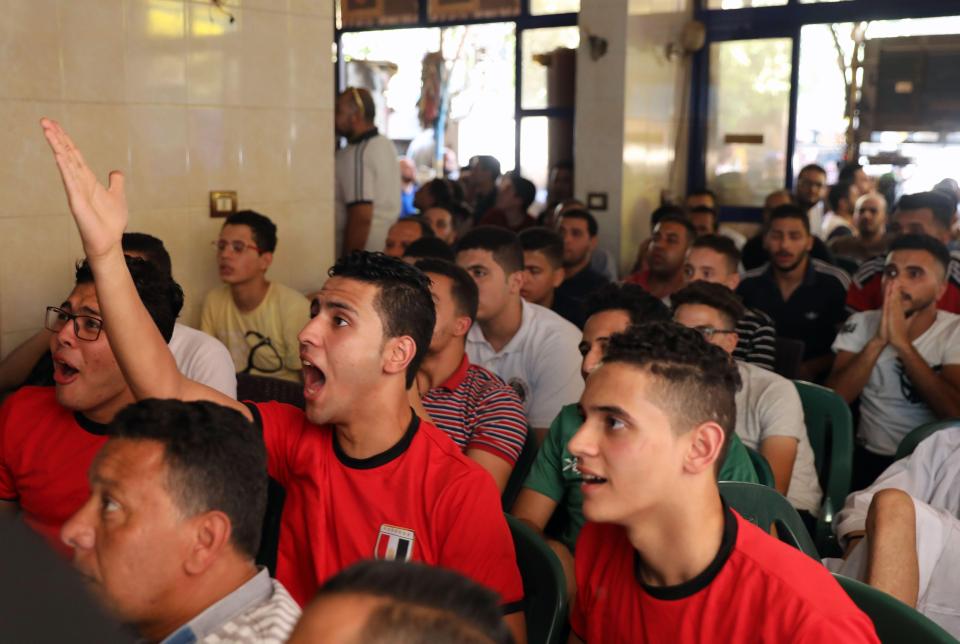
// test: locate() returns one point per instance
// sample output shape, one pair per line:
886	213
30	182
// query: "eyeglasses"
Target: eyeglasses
237	245
85	327
708	331
263	356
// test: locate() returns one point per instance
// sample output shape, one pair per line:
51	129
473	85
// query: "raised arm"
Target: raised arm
101	216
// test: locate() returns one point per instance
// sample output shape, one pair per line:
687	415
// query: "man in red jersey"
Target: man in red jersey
664	559
364	477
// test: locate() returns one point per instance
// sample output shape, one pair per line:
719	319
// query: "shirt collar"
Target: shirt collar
526	316
255	591
457	377
369	134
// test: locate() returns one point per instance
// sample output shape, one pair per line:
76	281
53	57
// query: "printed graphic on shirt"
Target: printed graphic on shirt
907	390
394	544
521	388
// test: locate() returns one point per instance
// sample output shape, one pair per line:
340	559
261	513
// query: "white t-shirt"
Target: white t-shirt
368	171
889	405
769	405
541	362
815	217
203	359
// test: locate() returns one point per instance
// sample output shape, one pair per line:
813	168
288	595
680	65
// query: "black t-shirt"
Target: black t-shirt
570	298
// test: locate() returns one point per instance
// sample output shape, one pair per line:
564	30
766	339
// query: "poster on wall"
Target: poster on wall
371	13
447	10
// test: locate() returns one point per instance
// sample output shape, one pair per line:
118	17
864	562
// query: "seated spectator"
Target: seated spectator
529	346
515	195
428	247
256	319
602	261
870	220
666	209
441	222
903	360
839	221
543	273
704	220
672	237
387	601
769	412
927	213
49	435
169	533
804	296
482	415
404	232
663	558
809	194
714	259
559	188
408	186
432	194
579	229
704	198
483	175
755	254
854	173
902	534
552	483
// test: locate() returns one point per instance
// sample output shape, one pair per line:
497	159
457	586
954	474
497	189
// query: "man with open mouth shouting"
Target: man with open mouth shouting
363	476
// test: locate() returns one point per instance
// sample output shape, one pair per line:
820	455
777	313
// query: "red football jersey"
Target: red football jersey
421	500
45	454
758	589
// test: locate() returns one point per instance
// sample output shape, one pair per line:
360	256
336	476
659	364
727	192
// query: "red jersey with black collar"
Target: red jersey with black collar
421	500
45	455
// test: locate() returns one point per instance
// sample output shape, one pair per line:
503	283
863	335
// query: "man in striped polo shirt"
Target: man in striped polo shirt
481	413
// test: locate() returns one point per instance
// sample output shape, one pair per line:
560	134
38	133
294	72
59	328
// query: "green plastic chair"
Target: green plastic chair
764	473
544	585
915	437
894	620
830	430
765	507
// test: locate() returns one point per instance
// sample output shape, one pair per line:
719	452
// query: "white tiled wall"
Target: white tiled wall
181	101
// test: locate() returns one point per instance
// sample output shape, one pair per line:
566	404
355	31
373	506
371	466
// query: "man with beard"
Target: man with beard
809	193
672	237
870	220
579	229
902	360
804	296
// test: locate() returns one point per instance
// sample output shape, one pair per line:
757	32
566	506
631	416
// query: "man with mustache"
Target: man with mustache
804	296
902	360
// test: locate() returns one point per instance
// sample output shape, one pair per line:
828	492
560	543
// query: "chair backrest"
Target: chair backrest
764	473
764	507
265	389
520	470
544	585
788	357
915	437
894	620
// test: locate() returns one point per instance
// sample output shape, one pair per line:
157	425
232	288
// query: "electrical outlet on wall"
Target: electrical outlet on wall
223	203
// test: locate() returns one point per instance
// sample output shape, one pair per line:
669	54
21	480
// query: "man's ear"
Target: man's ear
515	282
461	325
265	260
398	353
706	444
558	277
211	533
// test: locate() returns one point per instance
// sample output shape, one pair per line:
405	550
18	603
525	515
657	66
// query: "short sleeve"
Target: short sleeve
8	487
501	427
951	347
210	364
854	334
546	473
780	412
281	426
758	340
360	186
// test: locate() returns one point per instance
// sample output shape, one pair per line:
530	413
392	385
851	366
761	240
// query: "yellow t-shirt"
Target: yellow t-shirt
278	319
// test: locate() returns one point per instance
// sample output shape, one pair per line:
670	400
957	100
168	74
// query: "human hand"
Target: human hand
100	213
896	317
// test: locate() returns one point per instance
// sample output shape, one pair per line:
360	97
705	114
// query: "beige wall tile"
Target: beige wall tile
158	157
92	38
311	142
214	62
29	181
29	50
100	130
265	72
307	62
213	135
156	61
265	147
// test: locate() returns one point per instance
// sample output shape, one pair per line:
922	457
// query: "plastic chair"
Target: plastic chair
520	470
766	508
265	389
544	585
894	620
830	430
915	437
788	356
764	473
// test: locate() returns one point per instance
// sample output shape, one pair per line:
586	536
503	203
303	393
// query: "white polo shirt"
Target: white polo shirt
204	359
541	362
367	171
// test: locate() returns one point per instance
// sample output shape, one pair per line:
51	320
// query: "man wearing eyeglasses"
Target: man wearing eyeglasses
258	320
367	185
49	435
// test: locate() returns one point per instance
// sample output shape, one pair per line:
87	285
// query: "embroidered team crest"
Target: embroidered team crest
394	544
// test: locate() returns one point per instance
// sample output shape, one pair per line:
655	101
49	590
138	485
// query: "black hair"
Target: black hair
790	211
215	458
403	301
667	209
393	621
150	247
696	382
630	298
440	189
942	206
160	294
699	192
716	296
488	163
524	189
838	191
502	244
463	288
432	247
425	586
547	241
425	229
926	243
848	172
812	167
680	219
263	230
722	245
583	215
365	98
699	210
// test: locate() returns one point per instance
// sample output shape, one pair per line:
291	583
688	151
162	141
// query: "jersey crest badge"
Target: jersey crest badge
394	544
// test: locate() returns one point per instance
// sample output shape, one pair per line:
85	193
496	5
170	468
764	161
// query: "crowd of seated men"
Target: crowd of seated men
486	347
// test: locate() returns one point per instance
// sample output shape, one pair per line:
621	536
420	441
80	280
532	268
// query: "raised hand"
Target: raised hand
100	213
896	318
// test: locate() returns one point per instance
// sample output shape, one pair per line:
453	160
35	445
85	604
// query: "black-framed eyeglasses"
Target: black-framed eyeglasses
85	327
237	245
708	331
263	356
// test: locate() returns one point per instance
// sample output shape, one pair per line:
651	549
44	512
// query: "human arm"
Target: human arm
15	368
497	429
359	221
858	347
781	454
496	466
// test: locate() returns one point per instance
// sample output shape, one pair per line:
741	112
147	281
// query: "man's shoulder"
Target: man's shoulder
753	276
830	274
218	295
543	324
268	622
32	403
447	464
755	318
483	383
287	295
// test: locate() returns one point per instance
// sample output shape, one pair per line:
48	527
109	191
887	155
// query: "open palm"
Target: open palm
100	212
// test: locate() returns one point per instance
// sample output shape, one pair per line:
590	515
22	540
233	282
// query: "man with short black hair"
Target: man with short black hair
511	210
543	273
754	254
529	346
853	172
441	222
704	220
255	318
579	229
870	221
809	193
428	247
672	236
169	533
839	221
664	558
404	232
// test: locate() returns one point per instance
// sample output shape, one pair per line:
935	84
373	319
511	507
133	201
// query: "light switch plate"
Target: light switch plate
223	203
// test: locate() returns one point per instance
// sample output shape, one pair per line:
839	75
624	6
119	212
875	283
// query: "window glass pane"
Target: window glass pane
816	1
541	7
548	76
743	4
543	143
749	108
